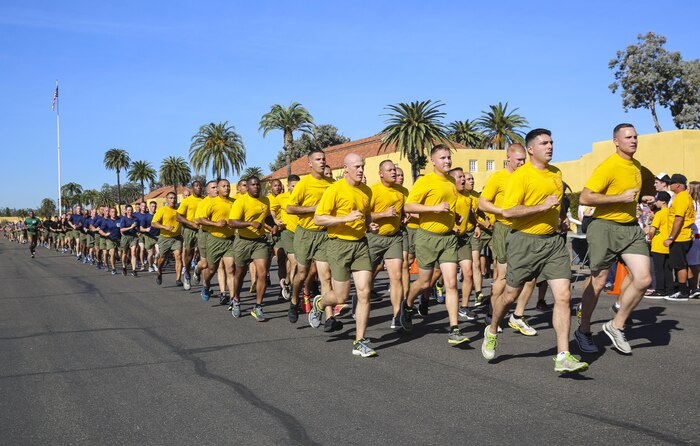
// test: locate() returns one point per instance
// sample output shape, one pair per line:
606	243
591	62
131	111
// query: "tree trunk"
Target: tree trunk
119	195
656	119
143	192
287	151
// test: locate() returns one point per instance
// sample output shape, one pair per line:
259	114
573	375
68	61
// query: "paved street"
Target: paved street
88	358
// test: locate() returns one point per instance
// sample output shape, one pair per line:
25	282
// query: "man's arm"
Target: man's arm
418	208
331	220
182	220
520	210
590	198
675	230
486	206
299	210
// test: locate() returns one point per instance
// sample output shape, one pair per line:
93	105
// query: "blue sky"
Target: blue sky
144	76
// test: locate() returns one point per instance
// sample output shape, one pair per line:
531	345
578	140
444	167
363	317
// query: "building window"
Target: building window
489	165
473	166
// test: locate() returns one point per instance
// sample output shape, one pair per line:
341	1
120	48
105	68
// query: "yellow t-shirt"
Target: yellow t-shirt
612	177
463	207
340	199
474	197
215	209
248	208
166	217
290	221
494	191
188	207
432	190
382	199
199	213
682	206
660	222
308	192
530	186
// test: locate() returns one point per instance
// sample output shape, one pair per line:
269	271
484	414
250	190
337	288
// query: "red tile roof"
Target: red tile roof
366	148
161	192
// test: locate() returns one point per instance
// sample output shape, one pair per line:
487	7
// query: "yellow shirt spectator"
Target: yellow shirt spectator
165	216
340	199
530	186
612	177
495	190
188	207
308	192
682	206
216	209
248	208
660	222
382	199
432	190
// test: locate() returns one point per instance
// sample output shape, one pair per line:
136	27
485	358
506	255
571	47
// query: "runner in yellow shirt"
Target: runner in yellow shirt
345	210
169	239
532	202
433	198
202	241
186	216
286	237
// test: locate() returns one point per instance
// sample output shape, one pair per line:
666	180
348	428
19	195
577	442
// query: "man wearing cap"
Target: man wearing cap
681	216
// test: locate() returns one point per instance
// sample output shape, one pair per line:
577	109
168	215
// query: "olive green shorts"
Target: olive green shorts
310	245
189	238
607	240
128	241
464	246
101	242
383	247
411	240
245	250
485	239
149	241
498	242
168	244
202	241
404	239
287	241
111	243
89	240
433	249
73	234
345	256
218	248
541	257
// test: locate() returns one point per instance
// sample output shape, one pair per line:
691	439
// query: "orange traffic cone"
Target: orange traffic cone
413	269
620	275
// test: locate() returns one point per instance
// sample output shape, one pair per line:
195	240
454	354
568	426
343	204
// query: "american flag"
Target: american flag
55	99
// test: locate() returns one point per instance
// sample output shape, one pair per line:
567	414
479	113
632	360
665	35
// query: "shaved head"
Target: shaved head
351	158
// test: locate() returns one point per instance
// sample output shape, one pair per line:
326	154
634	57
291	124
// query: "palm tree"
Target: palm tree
90	197
291	119
71	192
465	132
500	128
117	159
252	172
413	129
175	170
219	147
141	171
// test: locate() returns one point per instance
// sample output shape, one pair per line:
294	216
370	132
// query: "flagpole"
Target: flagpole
58	139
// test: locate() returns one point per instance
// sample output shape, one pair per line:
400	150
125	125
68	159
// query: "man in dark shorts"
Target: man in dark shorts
681	217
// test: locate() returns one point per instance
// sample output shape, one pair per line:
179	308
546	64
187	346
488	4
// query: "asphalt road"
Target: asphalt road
88	358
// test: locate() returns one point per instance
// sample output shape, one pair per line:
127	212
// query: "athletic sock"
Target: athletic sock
561	355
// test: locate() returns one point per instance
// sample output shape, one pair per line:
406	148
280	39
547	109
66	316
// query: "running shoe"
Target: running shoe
78	259
150	268
178	282
695	294
656	295
542	306
678	297
479	299
186	283
488	347
615	307
197	277
235	309
124	271
286	295
585	342
338	310
456	337
205	293
396	323
422	306
134	273
223	299
332	325
114	272
406	317
143	267
316	312
159	279
617	337
258	314
362	348
439	292
293	313
374	296
569	364
520	324
466	314
85	260
32	255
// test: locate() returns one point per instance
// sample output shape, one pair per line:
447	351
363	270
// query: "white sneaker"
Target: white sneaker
521	325
186	283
